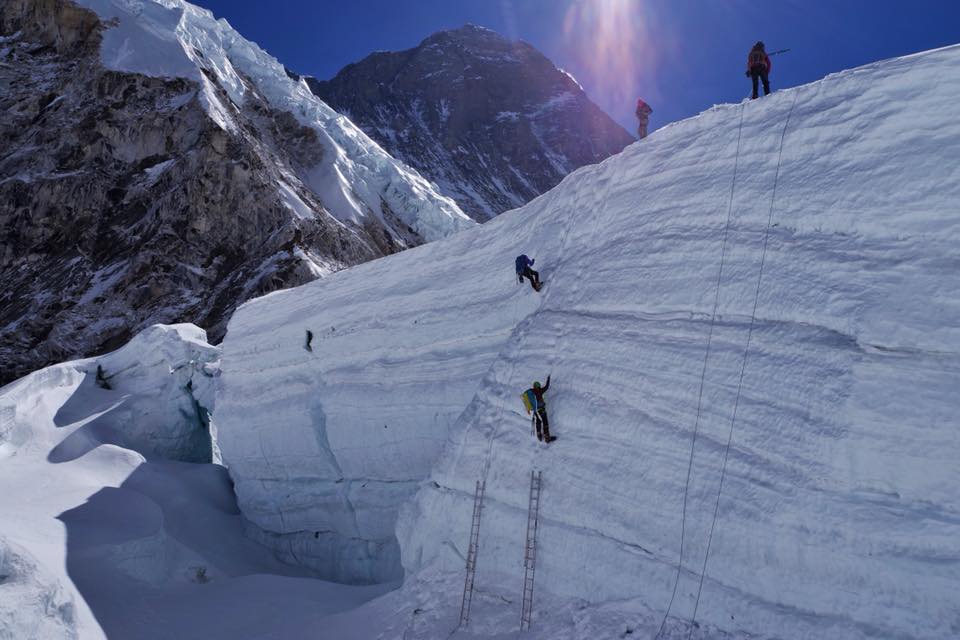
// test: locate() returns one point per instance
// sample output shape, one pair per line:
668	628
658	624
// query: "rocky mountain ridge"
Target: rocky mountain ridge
492	122
156	167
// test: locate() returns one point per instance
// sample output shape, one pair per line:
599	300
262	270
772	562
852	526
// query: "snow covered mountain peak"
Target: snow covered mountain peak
751	320
475	37
480	45
491	121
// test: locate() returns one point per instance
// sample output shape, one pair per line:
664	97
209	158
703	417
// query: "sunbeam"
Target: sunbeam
619	45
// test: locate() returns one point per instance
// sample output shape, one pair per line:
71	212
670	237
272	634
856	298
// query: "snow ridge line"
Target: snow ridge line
703	373
743	366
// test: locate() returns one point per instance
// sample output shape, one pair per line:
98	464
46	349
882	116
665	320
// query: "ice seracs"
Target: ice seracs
173	38
73	429
35	604
159	167
153	396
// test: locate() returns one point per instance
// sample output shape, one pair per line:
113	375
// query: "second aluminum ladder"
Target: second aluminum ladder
530	551
472	555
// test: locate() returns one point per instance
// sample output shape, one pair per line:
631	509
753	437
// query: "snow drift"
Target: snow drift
66	432
153	396
791	259
99	539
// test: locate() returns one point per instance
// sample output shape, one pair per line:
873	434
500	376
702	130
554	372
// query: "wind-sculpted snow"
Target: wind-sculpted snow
103	536
153	396
357	180
826	509
61	433
34	605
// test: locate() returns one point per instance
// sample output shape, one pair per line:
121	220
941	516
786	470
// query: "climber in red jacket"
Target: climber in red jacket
758	68
643	115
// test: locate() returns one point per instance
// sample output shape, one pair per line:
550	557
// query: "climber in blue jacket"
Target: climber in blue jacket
523	264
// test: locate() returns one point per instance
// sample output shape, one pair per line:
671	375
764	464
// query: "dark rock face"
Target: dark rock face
492	122
122	203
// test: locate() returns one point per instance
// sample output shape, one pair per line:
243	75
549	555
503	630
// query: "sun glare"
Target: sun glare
614	43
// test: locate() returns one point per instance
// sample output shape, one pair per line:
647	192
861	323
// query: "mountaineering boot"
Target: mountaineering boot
546	435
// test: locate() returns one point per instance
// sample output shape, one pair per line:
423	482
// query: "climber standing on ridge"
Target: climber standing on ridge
533	400
523	264
643	115
758	68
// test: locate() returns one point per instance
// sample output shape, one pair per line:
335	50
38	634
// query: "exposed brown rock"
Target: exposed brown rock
123	204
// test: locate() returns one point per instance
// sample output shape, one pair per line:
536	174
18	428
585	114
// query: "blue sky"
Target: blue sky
682	56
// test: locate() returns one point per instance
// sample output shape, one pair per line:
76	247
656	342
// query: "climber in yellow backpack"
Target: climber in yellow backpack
535	404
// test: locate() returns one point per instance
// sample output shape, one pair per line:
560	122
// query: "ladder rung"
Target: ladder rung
530	550
471	560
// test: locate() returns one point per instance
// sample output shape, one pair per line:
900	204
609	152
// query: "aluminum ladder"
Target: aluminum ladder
472	554
530	551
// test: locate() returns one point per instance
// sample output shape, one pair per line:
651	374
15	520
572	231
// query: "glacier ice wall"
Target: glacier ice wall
833	488
324	444
154	396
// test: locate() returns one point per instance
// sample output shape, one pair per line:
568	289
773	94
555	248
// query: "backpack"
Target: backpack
521	263
529	400
758	58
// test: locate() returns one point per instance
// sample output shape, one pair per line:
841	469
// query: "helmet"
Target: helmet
759	45
536	385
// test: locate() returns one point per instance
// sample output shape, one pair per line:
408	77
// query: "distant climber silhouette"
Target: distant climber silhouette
643	115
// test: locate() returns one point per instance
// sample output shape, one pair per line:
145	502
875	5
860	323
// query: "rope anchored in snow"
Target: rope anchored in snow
743	366
706	358
703	374
503	400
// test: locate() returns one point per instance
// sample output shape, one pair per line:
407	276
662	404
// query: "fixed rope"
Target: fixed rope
743	365
503	400
703	374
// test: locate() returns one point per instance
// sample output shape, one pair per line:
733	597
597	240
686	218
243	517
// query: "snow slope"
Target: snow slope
834	487
357	180
99	540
